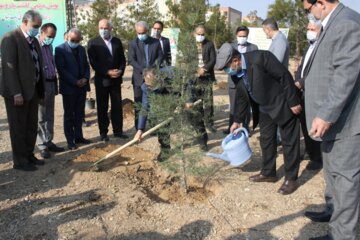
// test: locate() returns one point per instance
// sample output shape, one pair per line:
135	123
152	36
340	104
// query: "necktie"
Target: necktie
35	57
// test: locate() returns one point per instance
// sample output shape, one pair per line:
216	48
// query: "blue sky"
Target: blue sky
245	6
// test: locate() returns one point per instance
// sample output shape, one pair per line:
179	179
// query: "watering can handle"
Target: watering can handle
238	130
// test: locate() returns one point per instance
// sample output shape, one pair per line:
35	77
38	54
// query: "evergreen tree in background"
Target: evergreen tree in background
217	30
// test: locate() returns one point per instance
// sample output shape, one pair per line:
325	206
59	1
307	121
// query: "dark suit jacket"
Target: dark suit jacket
101	59
69	70
166	50
209	58
136	57
18	68
272	86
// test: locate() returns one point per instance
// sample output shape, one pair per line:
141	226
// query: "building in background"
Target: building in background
232	16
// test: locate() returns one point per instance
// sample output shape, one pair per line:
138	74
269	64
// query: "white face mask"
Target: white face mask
241	40
311	36
155	33
200	38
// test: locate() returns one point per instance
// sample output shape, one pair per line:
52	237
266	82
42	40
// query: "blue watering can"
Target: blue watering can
236	148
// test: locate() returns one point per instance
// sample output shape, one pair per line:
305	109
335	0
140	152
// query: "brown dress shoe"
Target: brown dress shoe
262	178
288	187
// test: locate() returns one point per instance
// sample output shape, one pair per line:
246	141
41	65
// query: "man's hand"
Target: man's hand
138	135
81	82
296	109
201	71
298	85
18	100
319	127
114	73
235	126
189	105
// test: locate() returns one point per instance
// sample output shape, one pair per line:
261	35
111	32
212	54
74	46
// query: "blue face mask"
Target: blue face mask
104	33
230	71
142	37
73	44
33	32
48	41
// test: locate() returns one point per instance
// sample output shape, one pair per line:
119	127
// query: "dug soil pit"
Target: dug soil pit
146	174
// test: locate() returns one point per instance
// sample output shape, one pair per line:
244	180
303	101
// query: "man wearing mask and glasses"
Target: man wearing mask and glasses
144	52
46	110
332	105
242	45
22	87
74	73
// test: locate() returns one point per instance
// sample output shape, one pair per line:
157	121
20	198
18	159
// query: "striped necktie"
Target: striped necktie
35	57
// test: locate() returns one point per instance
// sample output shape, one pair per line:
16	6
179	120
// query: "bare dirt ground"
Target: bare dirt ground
134	197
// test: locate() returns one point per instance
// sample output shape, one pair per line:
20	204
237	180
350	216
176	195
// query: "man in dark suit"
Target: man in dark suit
106	55
74	73
242	45
268	85
205	75
144	52
312	147
164	42
22	87
332	103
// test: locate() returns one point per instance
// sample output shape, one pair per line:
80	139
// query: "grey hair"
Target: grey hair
108	22
31	15
142	24
271	23
75	31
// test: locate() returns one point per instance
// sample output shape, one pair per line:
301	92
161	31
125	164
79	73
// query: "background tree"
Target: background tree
216	28
289	13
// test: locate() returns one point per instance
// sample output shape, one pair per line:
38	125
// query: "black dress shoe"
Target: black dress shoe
121	135
326	237
82	141
262	178
54	148
33	160
72	146
104	138
318	216
288	187
27	167
44	153
312	165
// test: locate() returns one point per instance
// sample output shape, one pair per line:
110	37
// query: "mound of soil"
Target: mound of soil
141	169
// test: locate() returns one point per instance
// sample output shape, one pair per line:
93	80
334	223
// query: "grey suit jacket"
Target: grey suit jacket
280	48
249	47
333	77
18	67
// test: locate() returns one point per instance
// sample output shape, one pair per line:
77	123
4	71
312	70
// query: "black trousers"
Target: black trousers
73	105
23	126
102	103
137	100
290	134
312	147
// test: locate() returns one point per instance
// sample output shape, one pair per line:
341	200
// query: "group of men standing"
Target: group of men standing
325	96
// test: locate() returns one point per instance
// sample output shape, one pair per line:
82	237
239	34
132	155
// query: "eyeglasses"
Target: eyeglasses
308	10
